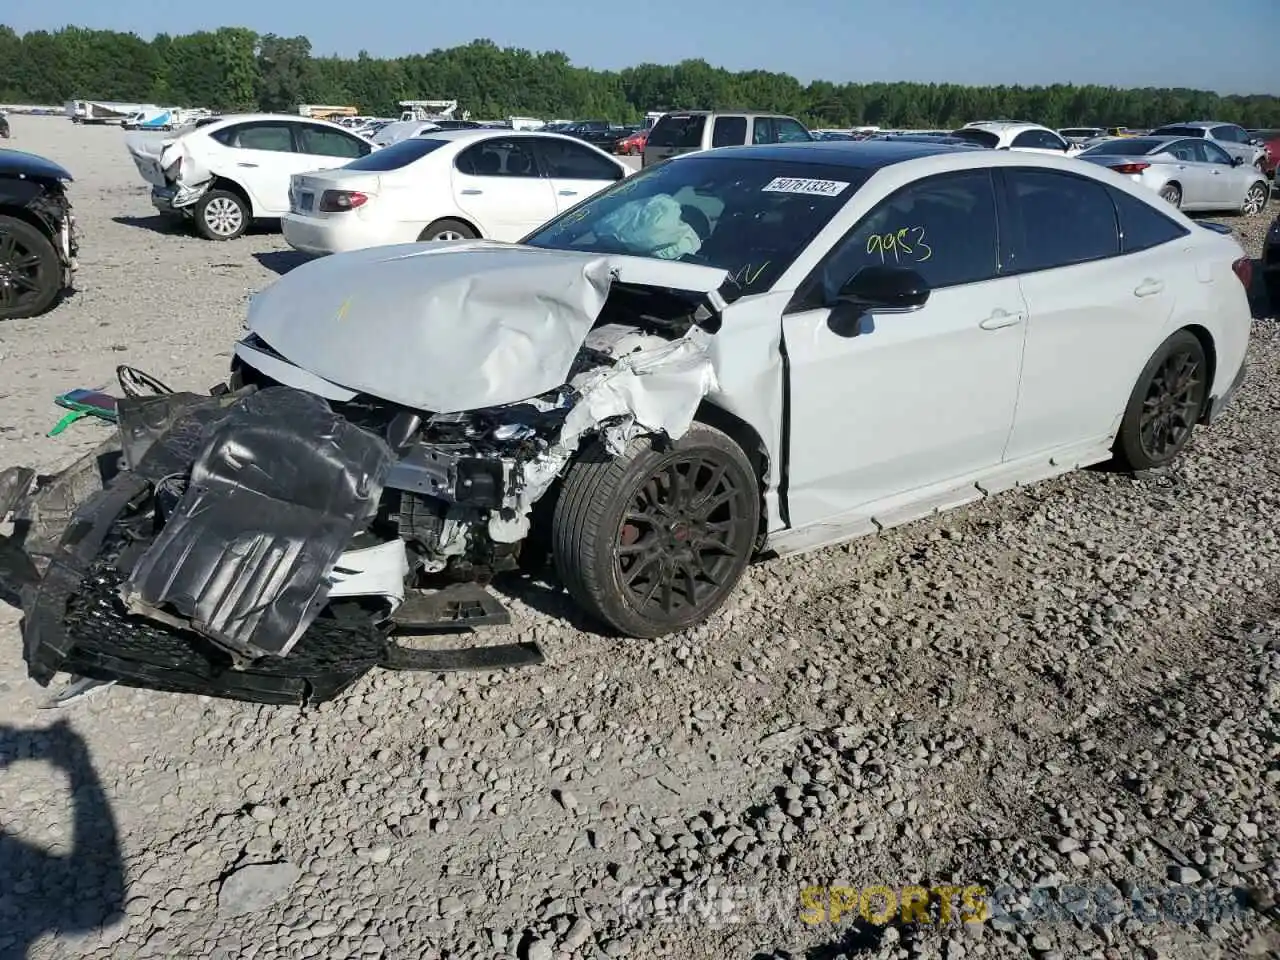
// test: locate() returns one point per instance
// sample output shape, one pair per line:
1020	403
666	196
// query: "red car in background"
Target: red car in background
1271	144
633	145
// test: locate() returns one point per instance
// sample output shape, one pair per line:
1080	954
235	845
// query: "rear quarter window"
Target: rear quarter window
678	130
1141	225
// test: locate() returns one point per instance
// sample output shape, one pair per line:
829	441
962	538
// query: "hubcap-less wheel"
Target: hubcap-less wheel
1255	200
1171	194
22	273
681	536
1172	404
223	216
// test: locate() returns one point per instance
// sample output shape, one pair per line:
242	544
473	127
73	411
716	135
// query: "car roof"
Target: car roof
1004	126
857	154
503	132
736	113
255	117
1201	124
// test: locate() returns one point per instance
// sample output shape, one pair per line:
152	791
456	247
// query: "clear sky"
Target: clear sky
1231	46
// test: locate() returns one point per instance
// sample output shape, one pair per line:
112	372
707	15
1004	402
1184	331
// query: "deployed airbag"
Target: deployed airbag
280	487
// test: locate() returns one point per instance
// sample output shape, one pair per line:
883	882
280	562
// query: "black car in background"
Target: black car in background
1271	267
37	234
4	126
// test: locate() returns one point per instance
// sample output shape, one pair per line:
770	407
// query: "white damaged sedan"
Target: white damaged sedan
747	350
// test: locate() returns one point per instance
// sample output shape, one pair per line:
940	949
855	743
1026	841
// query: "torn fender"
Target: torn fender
654	389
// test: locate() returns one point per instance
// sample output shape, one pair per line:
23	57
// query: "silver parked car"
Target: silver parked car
1192	174
1231	137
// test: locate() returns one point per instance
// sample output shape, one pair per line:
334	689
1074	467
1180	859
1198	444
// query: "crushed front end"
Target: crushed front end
226	545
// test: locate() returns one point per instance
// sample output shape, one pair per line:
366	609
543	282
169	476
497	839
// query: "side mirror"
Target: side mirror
886	289
876	289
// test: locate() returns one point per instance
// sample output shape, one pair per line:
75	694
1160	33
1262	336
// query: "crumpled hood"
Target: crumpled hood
449	326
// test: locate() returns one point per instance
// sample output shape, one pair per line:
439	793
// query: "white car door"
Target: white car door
1097	302
575	170
259	155
498	186
910	399
1228	181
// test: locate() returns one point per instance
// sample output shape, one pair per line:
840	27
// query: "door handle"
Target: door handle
472	193
1000	319
568	193
246	164
1148	287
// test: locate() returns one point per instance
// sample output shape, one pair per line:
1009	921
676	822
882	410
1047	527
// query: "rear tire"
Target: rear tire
654	541
1255	201
448	229
1171	193
1165	405
30	270
221	215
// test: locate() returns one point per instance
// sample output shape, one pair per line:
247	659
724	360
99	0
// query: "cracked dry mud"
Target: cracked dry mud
1060	691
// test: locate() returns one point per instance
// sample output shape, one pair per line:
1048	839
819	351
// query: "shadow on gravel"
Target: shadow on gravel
281	261
157	223
73	893
543	593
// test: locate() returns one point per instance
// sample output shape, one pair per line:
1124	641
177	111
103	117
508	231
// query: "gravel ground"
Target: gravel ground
1063	695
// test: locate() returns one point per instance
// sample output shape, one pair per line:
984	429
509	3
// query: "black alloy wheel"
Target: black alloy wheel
680	538
654	541
30	273
1166	404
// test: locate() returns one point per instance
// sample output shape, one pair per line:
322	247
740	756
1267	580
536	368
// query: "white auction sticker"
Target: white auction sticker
822	188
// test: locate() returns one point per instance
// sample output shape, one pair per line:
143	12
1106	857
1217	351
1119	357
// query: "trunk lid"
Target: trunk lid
152	156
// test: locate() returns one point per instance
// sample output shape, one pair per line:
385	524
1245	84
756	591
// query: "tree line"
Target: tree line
234	68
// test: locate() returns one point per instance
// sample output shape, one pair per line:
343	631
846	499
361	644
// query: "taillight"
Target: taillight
1130	167
336	201
1243	268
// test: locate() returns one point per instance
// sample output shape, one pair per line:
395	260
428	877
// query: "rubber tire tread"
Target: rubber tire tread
447	223
590	487
29	236
1128	445
198	215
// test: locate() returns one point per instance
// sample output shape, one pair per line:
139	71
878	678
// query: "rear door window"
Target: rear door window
499	158
763	131
324	142
678	130
263	135
729	132
1061	219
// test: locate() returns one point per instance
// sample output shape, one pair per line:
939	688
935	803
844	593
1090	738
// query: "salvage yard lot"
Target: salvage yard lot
1071	685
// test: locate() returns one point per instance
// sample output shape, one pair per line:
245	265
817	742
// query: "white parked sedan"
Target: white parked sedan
762	348
224	173
446	185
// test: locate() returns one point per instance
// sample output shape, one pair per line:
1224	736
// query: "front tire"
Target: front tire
1165	405
1255	201
221	215
654	541
30	271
